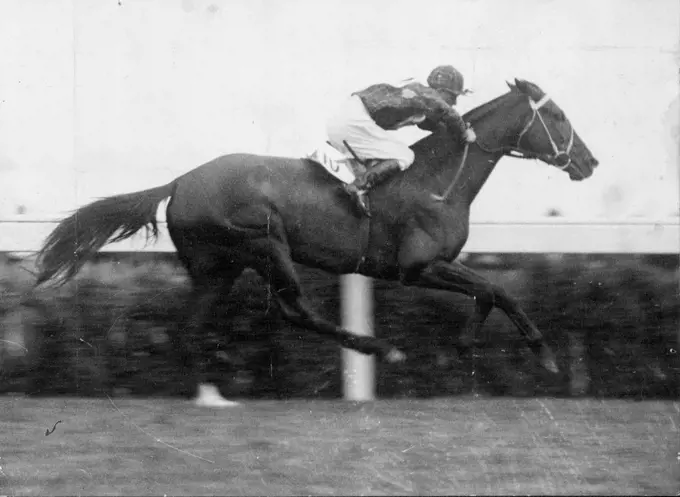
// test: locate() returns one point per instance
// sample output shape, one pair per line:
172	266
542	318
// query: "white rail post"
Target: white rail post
358	370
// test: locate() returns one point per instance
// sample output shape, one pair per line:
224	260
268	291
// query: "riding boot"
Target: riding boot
373	177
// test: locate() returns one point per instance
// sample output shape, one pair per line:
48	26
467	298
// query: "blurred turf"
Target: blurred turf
404	447
612	321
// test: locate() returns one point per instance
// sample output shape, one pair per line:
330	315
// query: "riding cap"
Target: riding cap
447	78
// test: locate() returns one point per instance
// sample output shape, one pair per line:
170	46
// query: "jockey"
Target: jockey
368	116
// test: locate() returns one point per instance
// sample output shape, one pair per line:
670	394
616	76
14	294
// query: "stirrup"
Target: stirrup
359	199
362	204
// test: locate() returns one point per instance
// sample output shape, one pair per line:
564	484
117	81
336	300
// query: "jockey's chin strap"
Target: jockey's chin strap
517	151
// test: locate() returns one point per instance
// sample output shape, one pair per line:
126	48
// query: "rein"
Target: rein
447	192
517	151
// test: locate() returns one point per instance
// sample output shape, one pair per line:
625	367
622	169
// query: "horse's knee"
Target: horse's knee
485	295
502	298
409	276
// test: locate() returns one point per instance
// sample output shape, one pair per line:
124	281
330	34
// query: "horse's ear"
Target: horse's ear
511	86
529	89
522	86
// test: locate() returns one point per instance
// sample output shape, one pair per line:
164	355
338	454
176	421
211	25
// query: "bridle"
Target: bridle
535	107
517	151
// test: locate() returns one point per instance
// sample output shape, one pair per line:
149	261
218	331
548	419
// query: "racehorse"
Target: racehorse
267	213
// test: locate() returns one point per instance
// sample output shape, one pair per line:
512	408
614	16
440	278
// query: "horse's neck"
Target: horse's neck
478	168
440	171
439	159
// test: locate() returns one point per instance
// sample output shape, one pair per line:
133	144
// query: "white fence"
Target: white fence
549	235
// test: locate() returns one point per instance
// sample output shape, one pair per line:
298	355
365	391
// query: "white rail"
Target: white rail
536	236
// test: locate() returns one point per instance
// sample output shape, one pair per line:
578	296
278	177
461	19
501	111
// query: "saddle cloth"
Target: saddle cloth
336	163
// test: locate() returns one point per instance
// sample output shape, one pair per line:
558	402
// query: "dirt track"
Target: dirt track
446	446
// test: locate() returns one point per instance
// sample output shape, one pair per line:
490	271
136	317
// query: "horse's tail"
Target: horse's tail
89	228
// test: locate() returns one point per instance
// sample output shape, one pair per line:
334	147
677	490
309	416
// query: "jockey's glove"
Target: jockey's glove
470	135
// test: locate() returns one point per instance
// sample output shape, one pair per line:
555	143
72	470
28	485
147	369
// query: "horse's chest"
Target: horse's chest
454	238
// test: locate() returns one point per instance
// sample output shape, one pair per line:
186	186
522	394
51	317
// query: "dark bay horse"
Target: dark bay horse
241	210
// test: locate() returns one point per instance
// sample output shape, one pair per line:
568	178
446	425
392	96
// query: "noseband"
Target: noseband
553	159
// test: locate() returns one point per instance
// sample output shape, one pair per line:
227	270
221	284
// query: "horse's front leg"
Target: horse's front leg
455	277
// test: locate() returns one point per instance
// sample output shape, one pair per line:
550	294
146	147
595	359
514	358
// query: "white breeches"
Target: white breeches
352	123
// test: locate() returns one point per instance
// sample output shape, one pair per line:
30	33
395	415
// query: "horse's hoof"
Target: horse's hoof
209	396
394	356
548	361
216	403
551	366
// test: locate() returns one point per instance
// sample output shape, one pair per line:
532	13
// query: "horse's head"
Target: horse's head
539	129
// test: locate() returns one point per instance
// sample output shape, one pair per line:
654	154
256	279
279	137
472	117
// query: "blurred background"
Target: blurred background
100	98
612	320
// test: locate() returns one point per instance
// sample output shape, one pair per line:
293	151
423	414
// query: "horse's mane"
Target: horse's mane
436	150
471	116
439	143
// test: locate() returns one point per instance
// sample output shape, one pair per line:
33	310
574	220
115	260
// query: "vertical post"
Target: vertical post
358	372
676	138
578	365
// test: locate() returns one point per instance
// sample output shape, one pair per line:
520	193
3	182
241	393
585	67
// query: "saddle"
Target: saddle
344	167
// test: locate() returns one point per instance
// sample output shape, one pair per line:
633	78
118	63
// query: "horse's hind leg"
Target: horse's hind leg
210	284
277	266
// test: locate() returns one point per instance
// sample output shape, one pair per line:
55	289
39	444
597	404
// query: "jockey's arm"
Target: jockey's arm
436	111
429	125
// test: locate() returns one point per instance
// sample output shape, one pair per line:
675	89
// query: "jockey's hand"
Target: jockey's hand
470	135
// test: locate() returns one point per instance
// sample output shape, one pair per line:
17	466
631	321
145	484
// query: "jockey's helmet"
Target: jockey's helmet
448	79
